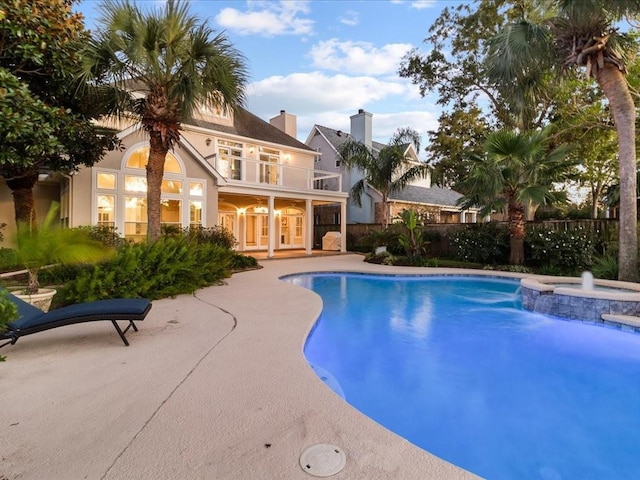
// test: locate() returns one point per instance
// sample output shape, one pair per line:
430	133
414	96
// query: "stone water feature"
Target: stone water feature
587	299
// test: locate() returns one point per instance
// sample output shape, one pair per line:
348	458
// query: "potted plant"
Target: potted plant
50	244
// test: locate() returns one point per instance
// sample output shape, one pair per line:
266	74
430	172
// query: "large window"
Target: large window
230	158
106	210
269	160
121	196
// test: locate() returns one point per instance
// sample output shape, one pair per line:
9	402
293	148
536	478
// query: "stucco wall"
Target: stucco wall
44	195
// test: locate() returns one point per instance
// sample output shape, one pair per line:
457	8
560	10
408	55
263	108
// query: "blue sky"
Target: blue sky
322	60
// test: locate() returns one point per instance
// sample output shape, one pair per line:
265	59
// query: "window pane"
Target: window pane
195	214
139	158
106	180
196	189
170	212
106	209
171	186
298	226
227	143
171	164
135	225
135	184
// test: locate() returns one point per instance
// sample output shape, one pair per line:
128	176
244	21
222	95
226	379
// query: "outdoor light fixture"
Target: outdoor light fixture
208	141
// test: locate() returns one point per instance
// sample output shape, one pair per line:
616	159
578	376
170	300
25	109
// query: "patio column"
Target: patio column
272	228
343	226
308	238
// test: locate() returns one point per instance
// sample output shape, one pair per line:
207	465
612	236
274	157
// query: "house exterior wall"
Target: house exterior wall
329	161
273	198
85	192
44	194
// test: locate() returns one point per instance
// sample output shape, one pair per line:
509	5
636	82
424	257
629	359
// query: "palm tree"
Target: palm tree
583	33
387	171
518	169
161	67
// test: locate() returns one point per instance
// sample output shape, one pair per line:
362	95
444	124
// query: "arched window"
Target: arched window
121	199
138	159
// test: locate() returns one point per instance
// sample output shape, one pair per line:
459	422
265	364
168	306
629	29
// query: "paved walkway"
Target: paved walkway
213	386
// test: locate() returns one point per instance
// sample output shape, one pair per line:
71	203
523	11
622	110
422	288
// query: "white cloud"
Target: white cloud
268	18
420	4
386	124
358	57
316	98
350	18
417	4
315	92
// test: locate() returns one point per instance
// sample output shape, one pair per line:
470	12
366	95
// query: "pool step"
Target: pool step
630	320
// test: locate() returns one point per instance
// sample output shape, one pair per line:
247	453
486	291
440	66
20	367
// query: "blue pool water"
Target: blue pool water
455	366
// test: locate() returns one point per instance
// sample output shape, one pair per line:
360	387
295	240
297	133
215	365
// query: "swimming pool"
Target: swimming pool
457	367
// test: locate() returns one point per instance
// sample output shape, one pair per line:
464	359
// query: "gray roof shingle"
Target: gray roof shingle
248	125
338	137
433	195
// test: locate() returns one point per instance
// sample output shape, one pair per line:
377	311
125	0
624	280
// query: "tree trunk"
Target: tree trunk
23	204
596	194
516	233
155	172
614	86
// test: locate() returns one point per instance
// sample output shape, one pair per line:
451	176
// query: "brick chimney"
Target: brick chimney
286	122
361	127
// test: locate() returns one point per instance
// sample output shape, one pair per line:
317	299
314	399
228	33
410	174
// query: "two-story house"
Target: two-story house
436	204
231	169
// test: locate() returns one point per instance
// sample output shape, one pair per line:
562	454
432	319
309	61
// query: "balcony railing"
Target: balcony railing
290	177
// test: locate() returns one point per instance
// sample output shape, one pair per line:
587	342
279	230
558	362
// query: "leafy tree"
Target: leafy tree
45	122
454	68
459	133
583	34
581	118
162	66
387	171
518	168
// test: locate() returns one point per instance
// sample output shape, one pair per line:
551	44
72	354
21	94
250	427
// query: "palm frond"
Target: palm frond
356	192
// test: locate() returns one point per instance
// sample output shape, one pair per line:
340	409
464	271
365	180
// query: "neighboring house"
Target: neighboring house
235	170
437	205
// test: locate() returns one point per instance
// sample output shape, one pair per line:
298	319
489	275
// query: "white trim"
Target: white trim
252	140
121	193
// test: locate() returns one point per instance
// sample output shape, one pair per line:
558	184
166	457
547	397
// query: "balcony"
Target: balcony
244	171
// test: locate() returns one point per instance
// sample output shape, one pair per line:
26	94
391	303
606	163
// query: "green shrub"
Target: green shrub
240	261
486	243
8	313
108	236
605	267
167	267
411	238
560	251
8	260
388	238
217	235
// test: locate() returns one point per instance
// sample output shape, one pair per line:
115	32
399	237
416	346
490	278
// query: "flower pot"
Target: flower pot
41	300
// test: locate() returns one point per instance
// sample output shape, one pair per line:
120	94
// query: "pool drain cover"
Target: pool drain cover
322	460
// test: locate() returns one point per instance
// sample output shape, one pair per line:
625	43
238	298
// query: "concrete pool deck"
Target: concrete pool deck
213	386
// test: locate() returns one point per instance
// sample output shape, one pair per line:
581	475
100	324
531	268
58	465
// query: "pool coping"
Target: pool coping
214	385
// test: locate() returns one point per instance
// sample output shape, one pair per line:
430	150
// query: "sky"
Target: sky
322	60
